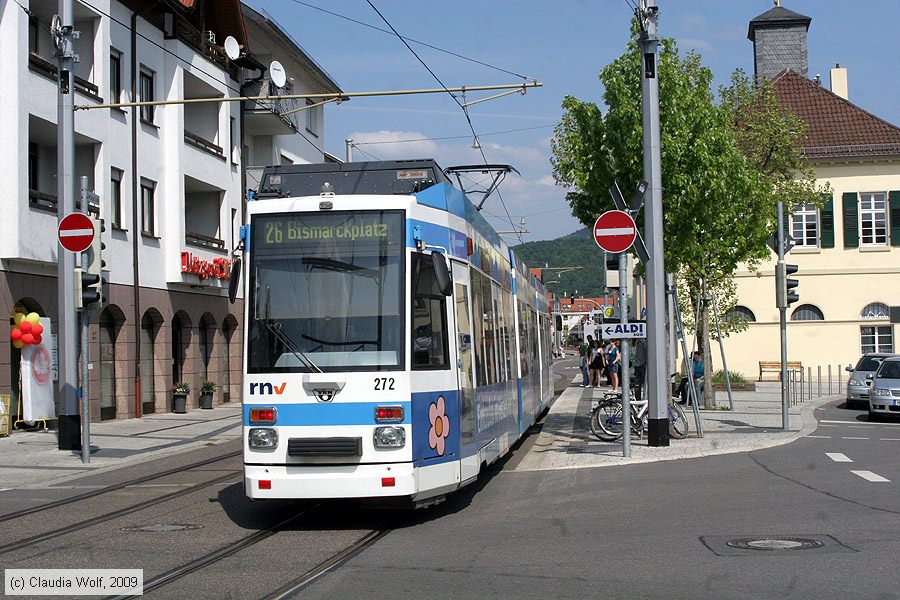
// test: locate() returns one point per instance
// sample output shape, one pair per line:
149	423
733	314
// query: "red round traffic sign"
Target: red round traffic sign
615	231
75	232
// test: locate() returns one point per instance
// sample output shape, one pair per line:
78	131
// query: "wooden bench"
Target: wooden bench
775	366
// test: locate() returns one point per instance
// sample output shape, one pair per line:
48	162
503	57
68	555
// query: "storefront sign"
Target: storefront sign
218	268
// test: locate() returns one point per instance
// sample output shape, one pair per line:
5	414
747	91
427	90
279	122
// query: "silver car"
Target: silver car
884	398
861	379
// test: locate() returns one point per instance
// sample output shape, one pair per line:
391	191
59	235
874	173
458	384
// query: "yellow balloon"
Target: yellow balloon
18	318
18	343
33	318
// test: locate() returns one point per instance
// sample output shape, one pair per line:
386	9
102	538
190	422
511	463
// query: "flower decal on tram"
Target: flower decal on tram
440	425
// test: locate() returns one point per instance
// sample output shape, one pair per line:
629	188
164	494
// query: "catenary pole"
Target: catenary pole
657	390
625	355
782	319
68	421
84	346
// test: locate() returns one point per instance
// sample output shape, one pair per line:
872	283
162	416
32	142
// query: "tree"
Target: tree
724	166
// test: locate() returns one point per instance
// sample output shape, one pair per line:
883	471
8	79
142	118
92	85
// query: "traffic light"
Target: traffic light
91	282
785	293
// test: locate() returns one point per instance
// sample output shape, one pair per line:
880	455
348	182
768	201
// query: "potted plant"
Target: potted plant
179	393
206	393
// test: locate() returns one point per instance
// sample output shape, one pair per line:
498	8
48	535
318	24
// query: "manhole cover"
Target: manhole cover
774	543
162	527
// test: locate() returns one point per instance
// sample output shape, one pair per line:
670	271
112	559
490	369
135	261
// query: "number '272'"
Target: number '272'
384	383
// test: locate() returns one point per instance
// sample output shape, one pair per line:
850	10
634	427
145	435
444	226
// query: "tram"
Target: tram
394	345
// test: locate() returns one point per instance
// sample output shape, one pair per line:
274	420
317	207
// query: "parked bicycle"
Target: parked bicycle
607	422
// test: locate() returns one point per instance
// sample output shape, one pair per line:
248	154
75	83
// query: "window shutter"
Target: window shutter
895	217
851	219
827	228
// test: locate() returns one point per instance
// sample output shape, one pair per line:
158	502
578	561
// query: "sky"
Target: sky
561	43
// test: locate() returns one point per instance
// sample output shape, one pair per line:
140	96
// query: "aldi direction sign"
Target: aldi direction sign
612	331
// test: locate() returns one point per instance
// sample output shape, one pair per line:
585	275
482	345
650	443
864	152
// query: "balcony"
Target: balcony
205	145
264	117
202	215
42	66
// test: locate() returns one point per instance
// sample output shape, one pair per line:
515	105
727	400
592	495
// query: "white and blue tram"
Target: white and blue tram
394	345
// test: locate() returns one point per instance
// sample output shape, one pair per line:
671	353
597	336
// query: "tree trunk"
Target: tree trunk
709	395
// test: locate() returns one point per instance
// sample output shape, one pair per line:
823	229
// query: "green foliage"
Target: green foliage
734	376
724	166
208	387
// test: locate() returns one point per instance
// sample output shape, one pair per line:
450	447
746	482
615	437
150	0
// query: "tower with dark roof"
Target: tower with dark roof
779	42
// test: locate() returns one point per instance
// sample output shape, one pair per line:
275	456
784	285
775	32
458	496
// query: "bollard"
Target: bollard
809	383
829	380
819	381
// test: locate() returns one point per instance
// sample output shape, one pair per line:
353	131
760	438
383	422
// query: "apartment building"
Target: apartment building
847	251
171	179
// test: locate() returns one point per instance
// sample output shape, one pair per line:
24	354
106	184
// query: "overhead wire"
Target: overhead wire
455	99
415	41
452	137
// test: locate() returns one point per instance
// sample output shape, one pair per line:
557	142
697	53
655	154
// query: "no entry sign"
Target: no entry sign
614	231
76	232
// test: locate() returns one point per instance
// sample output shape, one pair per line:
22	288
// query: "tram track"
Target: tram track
109	516
114	487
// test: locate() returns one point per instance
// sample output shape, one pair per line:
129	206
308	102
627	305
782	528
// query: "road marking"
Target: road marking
838	457
853	438
870	476
820	437
890	439
861	427
857	423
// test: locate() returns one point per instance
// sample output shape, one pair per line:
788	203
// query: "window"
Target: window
807	312
740	313
147	95
115	76
873	219
875	310
148	207
876	338
115	197
232	142
805	226
312	117
429	317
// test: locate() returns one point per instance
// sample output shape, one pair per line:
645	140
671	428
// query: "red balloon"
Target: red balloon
27	338
37	339
16	334
25	326
37	328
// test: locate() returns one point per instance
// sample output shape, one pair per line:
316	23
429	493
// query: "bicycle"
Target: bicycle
607	423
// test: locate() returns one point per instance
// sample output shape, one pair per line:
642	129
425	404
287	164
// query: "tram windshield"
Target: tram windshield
326	292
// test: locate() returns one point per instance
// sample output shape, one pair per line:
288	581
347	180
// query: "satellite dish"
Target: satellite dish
232	48
277	74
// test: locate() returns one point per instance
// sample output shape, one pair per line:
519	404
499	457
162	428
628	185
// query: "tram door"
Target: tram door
465	363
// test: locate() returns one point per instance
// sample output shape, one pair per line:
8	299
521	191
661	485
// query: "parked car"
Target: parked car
861	379
884	396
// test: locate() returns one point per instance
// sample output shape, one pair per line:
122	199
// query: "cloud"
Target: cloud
694	43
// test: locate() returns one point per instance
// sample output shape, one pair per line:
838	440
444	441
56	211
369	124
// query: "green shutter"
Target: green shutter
895	217
851	219
827	232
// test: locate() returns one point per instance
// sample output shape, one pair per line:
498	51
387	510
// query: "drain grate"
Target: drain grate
768	544
728	545
162	527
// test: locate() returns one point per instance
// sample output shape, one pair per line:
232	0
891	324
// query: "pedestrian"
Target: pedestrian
640	367
614	362
583	353
596	363
696	375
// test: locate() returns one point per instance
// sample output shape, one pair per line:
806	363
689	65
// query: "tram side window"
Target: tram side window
429	317
478	327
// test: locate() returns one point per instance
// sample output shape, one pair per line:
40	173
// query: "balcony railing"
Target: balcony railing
204	241
48	202
195	140
38	63
276	106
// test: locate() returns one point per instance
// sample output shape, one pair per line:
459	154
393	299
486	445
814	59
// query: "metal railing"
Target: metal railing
805	385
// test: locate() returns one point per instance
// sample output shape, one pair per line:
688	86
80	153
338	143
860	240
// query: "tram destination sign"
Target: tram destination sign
612	331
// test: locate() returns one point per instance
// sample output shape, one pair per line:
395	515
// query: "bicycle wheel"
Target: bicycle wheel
678	424
606	421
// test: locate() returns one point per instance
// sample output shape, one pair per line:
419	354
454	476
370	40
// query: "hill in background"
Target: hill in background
575	249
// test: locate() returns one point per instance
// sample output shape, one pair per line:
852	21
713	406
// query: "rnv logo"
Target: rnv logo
264	389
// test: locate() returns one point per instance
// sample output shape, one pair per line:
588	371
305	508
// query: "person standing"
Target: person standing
584	350
640	367
596	363
614	363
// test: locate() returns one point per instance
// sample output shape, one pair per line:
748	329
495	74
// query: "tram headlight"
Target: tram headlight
262	437
389	437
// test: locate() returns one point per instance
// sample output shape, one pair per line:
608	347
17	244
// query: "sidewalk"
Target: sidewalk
32	460
566	442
